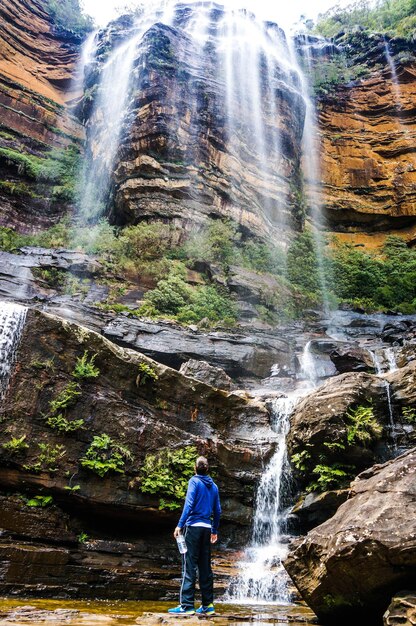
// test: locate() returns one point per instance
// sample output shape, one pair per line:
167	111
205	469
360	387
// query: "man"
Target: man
201	503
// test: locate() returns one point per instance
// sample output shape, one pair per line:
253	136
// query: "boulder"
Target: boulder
319	424
315	508
402	610
347	358
348	568
201	370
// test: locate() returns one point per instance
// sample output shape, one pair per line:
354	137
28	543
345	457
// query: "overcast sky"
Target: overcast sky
286	14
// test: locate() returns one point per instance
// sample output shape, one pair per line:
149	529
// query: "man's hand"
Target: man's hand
214	538
177	532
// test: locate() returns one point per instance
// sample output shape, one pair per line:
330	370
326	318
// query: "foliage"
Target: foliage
60	423
105	455
65	399
10	240
328	73
59	167
72	489
217	243
329	477
166	474
47	458
16	445
409	414
363	426
68	15
39	501
303	263
175	298
85	368
385	16
48	364
299	460
82	537
146	373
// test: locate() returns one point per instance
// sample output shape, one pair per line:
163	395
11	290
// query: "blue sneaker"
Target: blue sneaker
206	610
180	610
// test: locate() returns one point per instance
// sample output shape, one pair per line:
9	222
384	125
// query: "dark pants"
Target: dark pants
198	556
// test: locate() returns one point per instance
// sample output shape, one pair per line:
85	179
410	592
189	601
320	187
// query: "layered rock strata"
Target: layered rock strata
37	68
142	406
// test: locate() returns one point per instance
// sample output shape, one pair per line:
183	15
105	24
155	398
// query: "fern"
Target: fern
85	368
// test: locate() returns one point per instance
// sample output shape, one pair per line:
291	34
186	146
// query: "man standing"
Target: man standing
201	503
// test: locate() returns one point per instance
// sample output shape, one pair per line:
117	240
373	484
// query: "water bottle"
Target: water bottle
180	540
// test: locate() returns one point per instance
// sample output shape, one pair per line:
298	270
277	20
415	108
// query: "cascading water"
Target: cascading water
262	577
384	362
12	320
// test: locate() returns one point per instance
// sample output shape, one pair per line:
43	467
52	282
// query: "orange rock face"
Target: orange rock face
36	67
368	154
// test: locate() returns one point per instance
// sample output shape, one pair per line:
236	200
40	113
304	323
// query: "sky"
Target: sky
104	10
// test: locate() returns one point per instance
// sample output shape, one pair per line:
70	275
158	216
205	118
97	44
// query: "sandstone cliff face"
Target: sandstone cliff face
368	160
178	158
37	65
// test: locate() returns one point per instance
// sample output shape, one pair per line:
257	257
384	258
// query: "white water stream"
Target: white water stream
12	320
262	577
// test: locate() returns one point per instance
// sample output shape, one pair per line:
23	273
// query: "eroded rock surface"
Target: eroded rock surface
125	537
402	610
348	568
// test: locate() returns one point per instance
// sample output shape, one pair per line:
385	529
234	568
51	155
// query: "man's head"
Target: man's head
201	466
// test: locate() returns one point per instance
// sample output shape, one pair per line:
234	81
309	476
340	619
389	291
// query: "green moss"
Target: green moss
167	473
105	455
18	189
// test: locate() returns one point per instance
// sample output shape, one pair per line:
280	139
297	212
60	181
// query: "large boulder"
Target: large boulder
348	568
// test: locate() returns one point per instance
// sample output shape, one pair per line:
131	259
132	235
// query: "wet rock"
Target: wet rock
201	370
347	358
319	426
402	610
348	568
239	353
315	508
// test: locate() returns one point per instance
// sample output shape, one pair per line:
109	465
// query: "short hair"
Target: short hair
202	465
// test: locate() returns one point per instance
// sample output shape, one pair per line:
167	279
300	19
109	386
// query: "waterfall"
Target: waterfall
392	66
381	359
262	577
310	158
12	320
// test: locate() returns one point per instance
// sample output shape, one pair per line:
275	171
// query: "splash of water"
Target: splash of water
12	320
385	362
262	577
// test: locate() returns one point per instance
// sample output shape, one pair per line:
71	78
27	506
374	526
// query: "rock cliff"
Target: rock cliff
141	409
37	67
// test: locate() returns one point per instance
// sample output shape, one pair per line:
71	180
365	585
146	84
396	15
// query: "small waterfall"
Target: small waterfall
384	362
262	577
12	320
392	66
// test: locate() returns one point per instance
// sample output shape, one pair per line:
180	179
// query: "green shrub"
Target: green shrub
208	303
146	374
16	445
330	477
10	240
68	15
85	368
167	473
39	501
65	399
48	458
363	426
105	455
409	414
217	243
300	460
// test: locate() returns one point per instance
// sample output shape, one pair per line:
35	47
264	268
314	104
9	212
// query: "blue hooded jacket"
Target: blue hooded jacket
201	503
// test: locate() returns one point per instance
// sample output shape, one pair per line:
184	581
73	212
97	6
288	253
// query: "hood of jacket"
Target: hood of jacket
207	480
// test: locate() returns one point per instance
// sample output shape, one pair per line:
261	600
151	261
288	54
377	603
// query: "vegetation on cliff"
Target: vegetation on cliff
68	14
393	17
